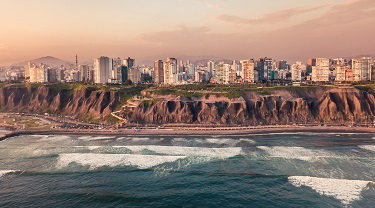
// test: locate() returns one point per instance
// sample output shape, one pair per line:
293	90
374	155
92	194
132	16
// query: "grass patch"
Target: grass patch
110	119
234	94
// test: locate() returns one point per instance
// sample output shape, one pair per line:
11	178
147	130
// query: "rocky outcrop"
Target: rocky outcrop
82	103
282	107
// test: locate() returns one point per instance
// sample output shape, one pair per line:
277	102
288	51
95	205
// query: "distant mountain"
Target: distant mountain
360	56
49	60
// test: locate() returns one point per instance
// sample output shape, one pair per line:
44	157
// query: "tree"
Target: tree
128	82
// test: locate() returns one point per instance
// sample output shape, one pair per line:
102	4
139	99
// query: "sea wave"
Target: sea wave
113	160
48	138
368	147
93	138
88	147
299	153
188	151
346	191
4	172
228	142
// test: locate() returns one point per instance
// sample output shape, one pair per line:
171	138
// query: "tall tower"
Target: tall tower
170	71
248	71
76	61
102	69
210	68
159	71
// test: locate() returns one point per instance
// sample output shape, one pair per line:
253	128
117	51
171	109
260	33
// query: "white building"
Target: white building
170	71
249	73
297	70
321	72
103	70
340	68
38	74
362	69
222	73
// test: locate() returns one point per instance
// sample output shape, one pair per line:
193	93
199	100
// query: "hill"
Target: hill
49	60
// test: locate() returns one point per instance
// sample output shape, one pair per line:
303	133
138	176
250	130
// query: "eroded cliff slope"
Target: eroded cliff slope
80	103
336	105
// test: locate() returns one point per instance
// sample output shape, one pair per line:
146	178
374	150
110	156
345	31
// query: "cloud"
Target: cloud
349	11
343	30
279	16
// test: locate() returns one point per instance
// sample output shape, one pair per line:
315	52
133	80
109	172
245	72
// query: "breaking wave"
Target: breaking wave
368	147
188	151
4	172
346	191
299	153
93	138
113	160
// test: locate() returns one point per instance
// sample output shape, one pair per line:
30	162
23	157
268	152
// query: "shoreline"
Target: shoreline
196	132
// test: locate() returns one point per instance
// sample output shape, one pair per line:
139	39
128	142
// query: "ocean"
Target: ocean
245	170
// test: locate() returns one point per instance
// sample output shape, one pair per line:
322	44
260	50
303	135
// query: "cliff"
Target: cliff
79	103
336	105
280	106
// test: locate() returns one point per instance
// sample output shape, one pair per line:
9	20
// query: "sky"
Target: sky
155	29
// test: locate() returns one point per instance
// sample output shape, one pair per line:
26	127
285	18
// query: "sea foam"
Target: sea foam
299	153
48	138
188	151
4	172
346	191
113	160
93	138
368	147
228	142
88	147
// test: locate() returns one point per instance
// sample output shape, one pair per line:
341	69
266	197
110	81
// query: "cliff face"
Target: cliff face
283	107
76	103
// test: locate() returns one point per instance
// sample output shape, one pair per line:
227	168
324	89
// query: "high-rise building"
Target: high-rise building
170	71
281	65
124	73
27	70
340	68
134	75
86	73
248	71
116	75
362	69
321	70
103	70
311	62
130	63
297	70
38	74
159	72
210	68
264	67
222	73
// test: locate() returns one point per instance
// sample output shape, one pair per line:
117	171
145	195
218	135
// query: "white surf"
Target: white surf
346	191
113	160
4	172
188	151
299	153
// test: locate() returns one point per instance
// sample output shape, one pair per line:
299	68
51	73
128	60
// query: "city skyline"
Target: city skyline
147	30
